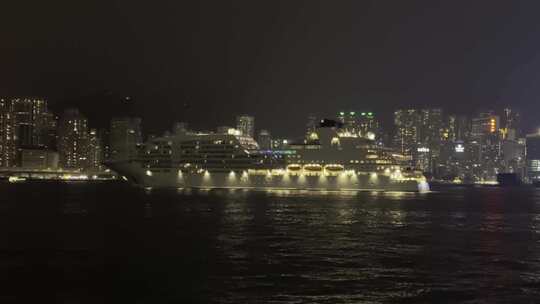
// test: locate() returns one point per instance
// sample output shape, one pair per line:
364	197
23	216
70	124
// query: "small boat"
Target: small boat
16	179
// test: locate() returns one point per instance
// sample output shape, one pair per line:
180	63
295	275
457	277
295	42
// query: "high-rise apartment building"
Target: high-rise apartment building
511	124
431	127
418	136
462	128
485	125
407	123
24	124
73	140
8	148
30	120
533	157
246	125
95	152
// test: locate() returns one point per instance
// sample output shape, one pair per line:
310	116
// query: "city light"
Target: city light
421	141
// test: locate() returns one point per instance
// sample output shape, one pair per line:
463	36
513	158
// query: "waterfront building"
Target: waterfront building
449	129
407	123
462	128
533	157
513	156
104	138
486	133
73	140
511	124
39	158
430	138
95	152
124	138
25	123
8	149
419	136
246	125
484	126
48	131
30	120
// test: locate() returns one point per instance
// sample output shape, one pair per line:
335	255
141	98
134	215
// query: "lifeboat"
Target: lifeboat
313	169
334	169
294	169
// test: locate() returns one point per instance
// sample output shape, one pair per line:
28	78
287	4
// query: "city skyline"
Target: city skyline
124	107
443	145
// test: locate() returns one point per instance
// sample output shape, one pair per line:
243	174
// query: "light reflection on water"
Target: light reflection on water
375	246
283	246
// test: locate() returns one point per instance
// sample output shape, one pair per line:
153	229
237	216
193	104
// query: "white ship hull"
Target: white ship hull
172	178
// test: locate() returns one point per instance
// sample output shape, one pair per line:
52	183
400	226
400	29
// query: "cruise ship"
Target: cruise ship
328	159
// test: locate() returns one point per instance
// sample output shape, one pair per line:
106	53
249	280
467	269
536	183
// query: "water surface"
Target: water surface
106	242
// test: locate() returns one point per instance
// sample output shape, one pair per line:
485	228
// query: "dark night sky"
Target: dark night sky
277	60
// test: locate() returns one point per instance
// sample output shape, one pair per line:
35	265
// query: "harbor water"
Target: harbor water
86	242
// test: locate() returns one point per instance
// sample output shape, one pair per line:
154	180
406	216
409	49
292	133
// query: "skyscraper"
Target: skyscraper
407	124
73	140
125	136
47	128
511	124
533	157
95	152
24	124
462	128
430	138
30	119
485	132
485	125
449	129
8	147
418	136
246	125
